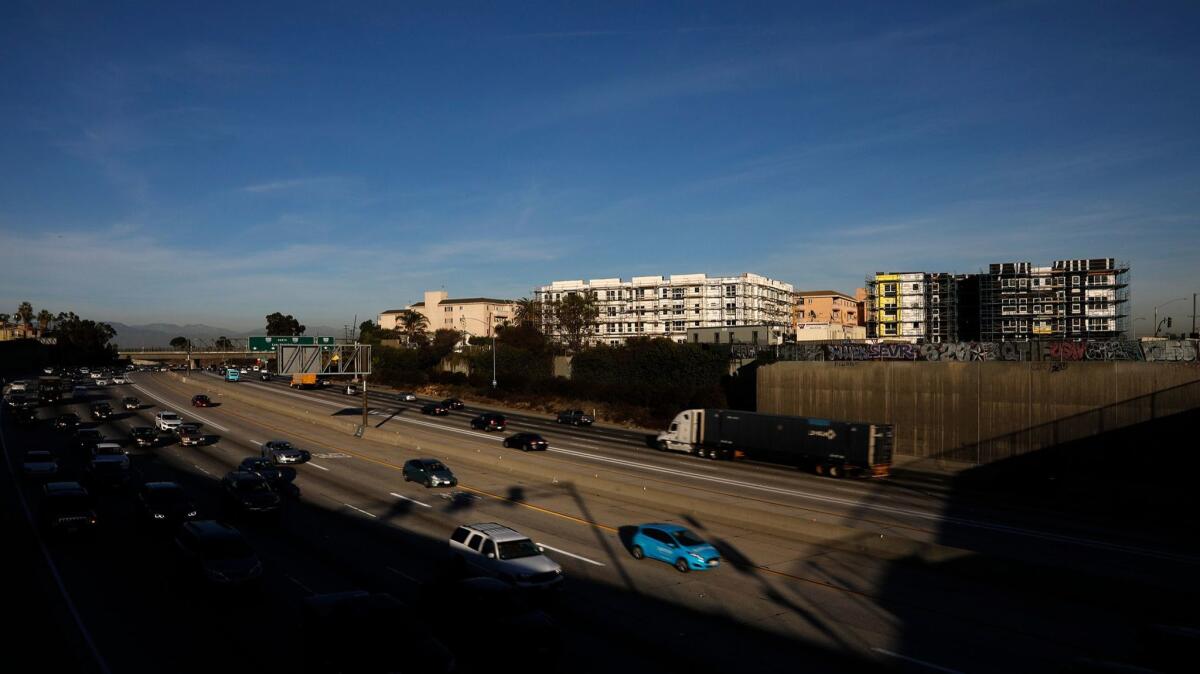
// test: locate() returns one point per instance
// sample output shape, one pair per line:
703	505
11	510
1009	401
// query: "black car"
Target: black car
26	417
87	439
67	507
101	411
489	421
187	426
452	404
164	504
529	442
359	632
429	472
435	409
501	618
108	471
143	436
249	493
218	553
66	422
575	418
265	376
261	466
131	403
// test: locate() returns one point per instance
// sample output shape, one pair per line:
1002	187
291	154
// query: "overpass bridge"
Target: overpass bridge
193	357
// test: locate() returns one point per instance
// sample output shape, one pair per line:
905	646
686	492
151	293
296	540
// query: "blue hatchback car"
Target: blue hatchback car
675	545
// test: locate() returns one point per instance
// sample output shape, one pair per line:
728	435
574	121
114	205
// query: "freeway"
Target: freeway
352	522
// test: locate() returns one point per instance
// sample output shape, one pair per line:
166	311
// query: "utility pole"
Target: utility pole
1193	314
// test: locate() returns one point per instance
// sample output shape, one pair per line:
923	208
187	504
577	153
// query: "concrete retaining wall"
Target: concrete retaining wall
980	412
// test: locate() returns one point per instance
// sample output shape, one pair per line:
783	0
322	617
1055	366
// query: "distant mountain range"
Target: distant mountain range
161	334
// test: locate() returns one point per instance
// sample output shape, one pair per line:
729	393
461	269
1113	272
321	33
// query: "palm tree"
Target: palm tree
528	311
43	318
415	324
25	313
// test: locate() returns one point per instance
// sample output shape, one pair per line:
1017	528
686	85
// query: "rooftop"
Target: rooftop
465	300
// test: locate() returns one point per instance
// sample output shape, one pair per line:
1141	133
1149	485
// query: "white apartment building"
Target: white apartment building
668	306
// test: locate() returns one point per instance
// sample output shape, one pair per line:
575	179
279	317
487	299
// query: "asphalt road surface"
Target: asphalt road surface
779	603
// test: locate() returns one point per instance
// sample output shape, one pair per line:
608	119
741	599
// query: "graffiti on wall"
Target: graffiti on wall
1171	350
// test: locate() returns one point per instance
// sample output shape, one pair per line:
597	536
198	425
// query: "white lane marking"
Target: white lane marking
317	465
410	499
571	554
302	586
359	510
930	665
403	575
201	470
856	504
62	587
181	410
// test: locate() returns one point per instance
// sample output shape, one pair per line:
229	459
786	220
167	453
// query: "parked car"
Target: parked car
249	493
39	465
282	452
406	396
366	632
131	403
429	472
676	545
529	442
435	409
452	404
201	400
218	553
67	507
575	418
101	411
498	551
164	504
167	421
143	436
489	421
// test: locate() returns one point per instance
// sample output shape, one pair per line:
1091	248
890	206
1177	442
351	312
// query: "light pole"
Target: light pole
1177	299
463	320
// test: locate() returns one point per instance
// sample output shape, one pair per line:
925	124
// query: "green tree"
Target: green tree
82	342
414	324
224	343
528	312
43	318
25	313
4	319
285	326
575	316
180	343
525	336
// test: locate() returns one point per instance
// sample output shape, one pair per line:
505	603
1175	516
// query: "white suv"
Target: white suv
167	421
496	550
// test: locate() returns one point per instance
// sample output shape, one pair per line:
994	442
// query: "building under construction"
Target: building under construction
915	307
1069	300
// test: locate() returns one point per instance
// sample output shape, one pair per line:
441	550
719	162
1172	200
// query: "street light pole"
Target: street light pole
464	319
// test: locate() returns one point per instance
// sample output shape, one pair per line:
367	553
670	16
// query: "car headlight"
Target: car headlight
192	514
159	516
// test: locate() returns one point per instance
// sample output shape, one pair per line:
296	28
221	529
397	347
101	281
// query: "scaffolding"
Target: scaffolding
1070	300
914	307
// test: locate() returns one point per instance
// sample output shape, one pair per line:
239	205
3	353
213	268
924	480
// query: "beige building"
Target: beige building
826	307
830	332
476	316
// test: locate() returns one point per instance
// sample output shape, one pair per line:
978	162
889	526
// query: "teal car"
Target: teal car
675	545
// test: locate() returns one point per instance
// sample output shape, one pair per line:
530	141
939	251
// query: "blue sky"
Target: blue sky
215	163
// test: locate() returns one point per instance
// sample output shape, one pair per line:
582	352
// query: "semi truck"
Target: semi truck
304	380
827	447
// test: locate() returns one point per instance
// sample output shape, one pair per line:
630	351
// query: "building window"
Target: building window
716	338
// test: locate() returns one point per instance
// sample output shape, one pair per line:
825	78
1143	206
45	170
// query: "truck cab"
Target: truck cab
681	435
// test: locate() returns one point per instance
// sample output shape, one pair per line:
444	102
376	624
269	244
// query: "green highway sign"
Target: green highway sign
268	344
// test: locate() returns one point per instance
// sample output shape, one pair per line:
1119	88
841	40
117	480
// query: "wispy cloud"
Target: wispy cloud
290	184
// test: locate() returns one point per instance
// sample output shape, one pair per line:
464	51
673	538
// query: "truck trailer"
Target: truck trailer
827	447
